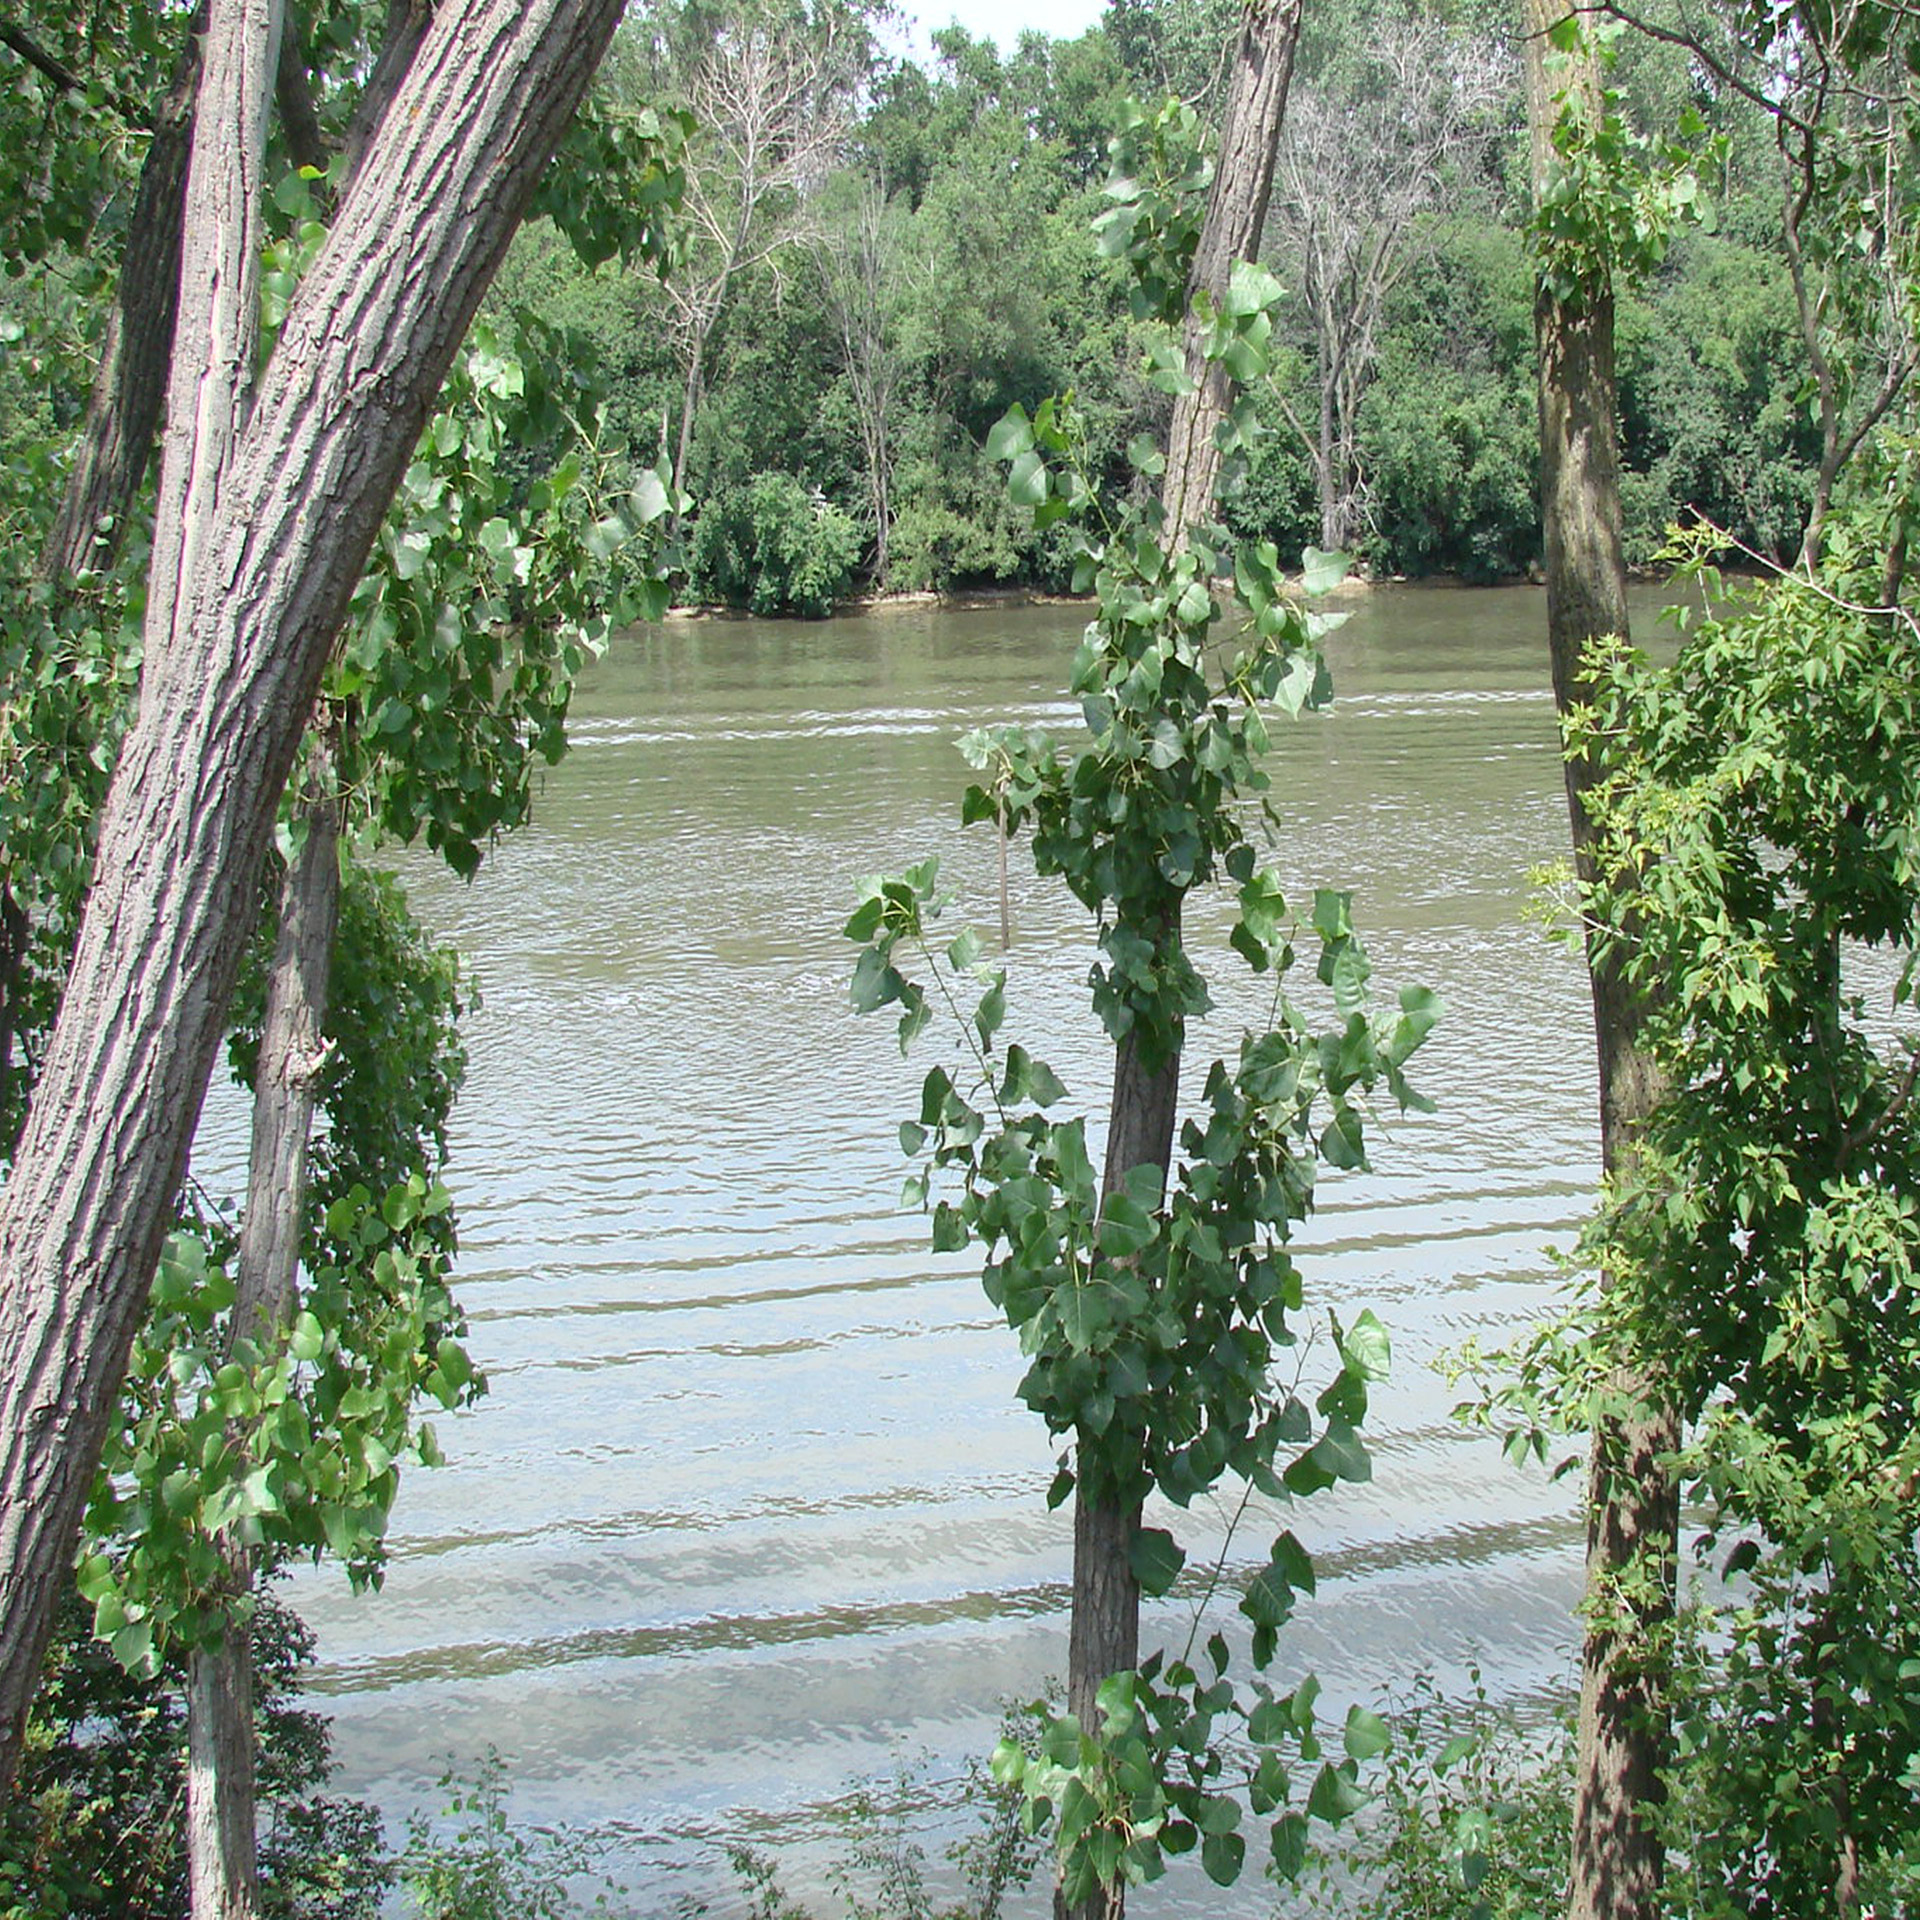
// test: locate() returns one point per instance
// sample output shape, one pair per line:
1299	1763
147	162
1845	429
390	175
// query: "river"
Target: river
750	1512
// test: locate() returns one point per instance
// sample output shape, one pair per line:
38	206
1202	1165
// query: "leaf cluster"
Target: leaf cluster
1155	1314
1615	196
285	1444
1156	1780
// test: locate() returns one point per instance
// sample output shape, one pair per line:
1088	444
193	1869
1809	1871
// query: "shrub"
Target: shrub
478	1865
96	1824
774	547
1451	459
1471	1819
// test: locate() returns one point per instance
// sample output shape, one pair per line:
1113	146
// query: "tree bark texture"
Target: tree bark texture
216	332
1236	215
220	1784
222	1860
228	686
1103	1635
1632	1505
123	412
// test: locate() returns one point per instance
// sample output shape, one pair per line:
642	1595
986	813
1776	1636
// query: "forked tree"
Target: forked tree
264	533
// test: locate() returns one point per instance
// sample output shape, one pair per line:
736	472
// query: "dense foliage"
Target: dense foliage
913	260
95	1830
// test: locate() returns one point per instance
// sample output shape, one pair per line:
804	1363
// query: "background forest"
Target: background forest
881	257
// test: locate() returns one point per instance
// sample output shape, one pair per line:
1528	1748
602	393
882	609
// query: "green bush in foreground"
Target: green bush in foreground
1470	1820
96	1824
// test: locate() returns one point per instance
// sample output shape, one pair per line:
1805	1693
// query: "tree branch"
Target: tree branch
36	56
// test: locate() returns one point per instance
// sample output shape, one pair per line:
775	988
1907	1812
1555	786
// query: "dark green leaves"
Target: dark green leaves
1156	1559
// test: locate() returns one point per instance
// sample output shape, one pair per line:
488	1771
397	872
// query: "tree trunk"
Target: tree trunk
123	413
1632	1506
222	1867
220	1784
217	327
1104	1632
227	688
1236	214
1104	1637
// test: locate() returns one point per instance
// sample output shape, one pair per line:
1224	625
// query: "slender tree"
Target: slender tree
1632	1510
1105	1634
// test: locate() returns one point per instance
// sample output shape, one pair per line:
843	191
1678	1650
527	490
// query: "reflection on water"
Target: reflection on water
751	1509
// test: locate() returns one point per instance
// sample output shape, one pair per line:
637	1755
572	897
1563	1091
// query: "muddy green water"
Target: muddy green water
751	1511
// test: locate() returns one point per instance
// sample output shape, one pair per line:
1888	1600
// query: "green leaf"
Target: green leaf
650	498
1289	1846
1027	480
1341	1141
1156	1558
1366	1348
991	1011
1083	1315
1367	1734
1251	289
1340	1452
1011	435
1335	1796
1322	572
1222	1854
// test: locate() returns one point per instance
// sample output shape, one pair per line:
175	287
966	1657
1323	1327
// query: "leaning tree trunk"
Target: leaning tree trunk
215	344
222	1866
1236	214
1104	1637
1632	1507
228	685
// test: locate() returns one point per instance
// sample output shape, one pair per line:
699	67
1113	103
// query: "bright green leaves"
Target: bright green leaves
1615	197
1160	176
1238	330
1155	1782
291	1448
485	594
1755	880
892	910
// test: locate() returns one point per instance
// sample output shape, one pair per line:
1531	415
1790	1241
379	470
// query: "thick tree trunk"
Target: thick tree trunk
1632	1507
222	1863
217	327
229	684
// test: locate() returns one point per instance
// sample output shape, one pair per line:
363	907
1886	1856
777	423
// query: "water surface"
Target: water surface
751	1509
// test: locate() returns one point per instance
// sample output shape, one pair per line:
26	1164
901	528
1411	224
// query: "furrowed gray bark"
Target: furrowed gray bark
231	678
1632	1509
222	1812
